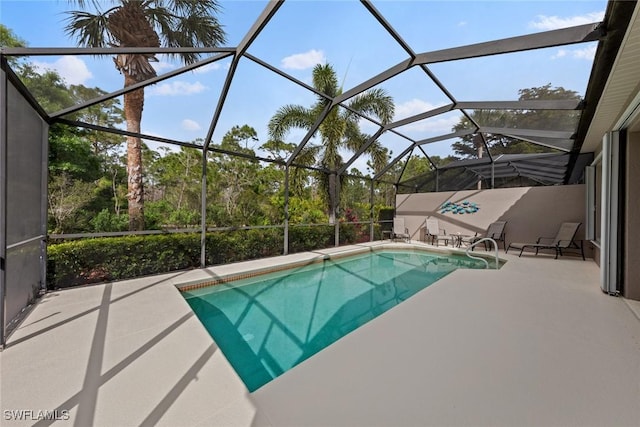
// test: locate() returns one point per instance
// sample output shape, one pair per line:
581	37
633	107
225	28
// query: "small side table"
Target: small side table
459	239
387	233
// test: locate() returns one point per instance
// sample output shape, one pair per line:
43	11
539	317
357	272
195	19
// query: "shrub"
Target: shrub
114	258
107	221
78	262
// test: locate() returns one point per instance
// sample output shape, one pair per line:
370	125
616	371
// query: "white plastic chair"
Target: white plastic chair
399	229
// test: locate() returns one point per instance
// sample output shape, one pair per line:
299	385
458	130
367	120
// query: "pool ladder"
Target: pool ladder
486	263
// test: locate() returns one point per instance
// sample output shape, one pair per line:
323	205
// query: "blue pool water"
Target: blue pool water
268	324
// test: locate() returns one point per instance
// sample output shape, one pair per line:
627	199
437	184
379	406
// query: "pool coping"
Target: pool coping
321	256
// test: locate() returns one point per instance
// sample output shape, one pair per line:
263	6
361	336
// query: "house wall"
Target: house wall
631	286
530	212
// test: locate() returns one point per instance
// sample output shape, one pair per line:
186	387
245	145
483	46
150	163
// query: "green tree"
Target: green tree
416	166
149	23
471	146
468	145
278	150
547	119
47	87
174	180
66	197
355	194
9	39
108	114
85	170
339	130
241	190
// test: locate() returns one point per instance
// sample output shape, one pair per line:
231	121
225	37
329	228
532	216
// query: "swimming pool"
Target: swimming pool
268	324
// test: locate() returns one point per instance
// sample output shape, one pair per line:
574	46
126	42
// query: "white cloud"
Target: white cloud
432	124
435	124
462	23
188	124
545	23
162	66
302	61
413	107
73	69
588	53
177	88
209	67
561	53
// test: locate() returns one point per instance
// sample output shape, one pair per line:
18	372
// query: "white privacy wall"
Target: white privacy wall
530	212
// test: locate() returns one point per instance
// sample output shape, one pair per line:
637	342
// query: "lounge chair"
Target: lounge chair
495	232
565	239
433	232
399	230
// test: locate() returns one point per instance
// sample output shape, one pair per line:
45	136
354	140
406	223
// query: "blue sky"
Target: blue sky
344	34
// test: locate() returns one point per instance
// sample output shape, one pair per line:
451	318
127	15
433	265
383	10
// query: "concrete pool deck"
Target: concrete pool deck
535	343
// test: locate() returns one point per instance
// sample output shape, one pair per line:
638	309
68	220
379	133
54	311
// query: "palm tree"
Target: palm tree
339	130
143	23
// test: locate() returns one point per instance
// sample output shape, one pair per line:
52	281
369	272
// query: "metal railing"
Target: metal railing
474	244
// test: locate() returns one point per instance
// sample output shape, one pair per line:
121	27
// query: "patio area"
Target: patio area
535	343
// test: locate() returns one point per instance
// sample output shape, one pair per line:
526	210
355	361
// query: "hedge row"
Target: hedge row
78	262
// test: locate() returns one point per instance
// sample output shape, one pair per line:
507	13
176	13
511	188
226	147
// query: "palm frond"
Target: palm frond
308	156
376	152
325	80
287	118
354	139
178	23
88	29
83	4
379	156
374	102
332	129
186	23
352	131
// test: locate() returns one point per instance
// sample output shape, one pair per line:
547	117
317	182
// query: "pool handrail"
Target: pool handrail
484	239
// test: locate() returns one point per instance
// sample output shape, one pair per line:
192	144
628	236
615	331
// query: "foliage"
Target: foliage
151	23
469	145
47	87
339	130
9	39
65	199
241	190
106	220
96	260
88	175
417	166
302	210
78	262
71	154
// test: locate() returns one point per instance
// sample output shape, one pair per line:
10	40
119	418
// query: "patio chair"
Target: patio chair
564	239
399	230
495	232
433	232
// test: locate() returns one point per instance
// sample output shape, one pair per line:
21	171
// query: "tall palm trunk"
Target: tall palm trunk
130	27
133	105
133	23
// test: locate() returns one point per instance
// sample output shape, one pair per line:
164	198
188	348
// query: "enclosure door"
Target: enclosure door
23	198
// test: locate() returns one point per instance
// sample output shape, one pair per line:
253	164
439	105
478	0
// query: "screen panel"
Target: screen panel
26	135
